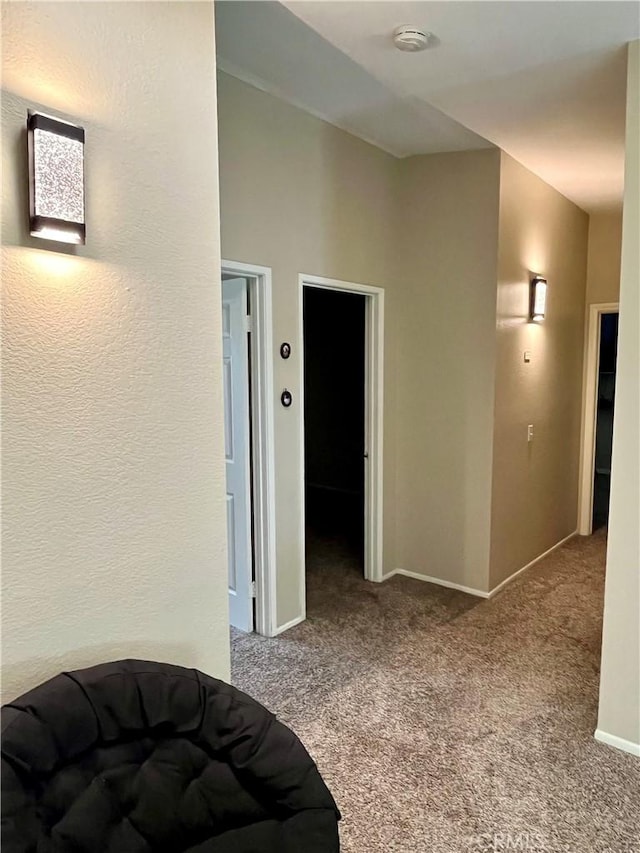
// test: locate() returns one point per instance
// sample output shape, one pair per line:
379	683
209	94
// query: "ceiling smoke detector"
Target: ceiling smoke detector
411	39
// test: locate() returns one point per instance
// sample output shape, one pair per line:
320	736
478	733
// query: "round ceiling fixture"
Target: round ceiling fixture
411	39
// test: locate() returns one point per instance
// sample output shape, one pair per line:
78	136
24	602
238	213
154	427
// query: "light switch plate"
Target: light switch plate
527	356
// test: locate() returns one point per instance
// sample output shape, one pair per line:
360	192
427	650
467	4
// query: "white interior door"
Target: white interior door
237	451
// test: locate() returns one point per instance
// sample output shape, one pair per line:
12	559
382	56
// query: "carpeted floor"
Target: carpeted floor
447	724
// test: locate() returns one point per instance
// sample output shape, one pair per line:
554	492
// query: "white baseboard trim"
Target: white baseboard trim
385	577
437	581
508	580
282	628
470	590
617	742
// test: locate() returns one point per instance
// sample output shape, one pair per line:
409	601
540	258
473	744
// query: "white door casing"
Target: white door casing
237	451
262	438
374	408
594	314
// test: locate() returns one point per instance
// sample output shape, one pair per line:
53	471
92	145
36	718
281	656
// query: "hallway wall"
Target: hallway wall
447	251
535	485
114	526
603	262
619	712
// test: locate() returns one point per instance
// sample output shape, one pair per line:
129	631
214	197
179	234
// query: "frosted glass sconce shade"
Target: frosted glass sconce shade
56	179
538	298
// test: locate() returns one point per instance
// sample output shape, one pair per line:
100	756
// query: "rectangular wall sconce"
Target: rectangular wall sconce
538	298
56	179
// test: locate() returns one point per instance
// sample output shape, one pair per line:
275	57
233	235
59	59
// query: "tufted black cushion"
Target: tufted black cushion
132	757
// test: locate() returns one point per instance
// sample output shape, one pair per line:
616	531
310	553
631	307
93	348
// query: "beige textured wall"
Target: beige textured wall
113	470
447	257
619	713
535	486
300	196
603	264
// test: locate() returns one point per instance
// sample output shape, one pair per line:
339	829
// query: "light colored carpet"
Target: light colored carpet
447	724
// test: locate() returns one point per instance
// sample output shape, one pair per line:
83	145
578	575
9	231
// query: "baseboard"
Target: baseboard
282	628
385	577
470	590
553	548
617	742
437	581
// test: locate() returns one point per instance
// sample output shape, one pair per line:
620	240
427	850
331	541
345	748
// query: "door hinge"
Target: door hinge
248	323
253	589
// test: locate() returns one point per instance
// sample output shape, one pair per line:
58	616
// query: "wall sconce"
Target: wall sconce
538	298
56	179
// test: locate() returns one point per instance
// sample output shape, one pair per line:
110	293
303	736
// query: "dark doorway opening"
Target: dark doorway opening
604	418
334	429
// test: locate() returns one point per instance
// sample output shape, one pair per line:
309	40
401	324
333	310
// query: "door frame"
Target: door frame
262	440
590	411
374	423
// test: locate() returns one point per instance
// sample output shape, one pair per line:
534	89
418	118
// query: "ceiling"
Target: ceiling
545	81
